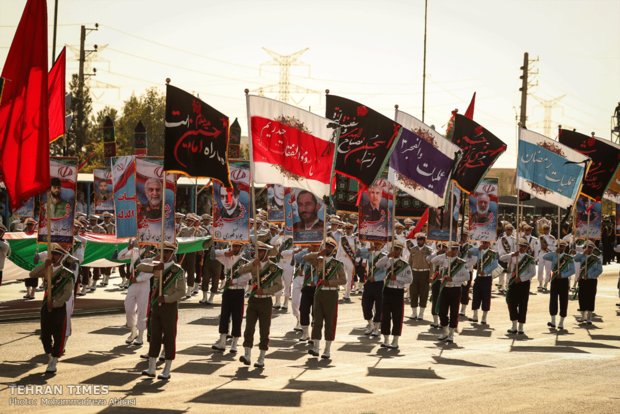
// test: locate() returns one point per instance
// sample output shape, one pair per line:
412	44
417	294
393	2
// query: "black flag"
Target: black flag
366	138
196	140
480	150
604	155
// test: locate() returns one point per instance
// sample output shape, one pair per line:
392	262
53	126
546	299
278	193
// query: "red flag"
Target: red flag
56	100
419	226
470	109
24	134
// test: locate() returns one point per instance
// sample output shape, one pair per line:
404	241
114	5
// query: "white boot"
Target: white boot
132	335
394	344
220	345
152	366
377	331
450	338
297	327
285	304
51	366
561	324
196	289
140	339
165	374
463	309
521	331
304	333
484	317
583	317
444	333
552	323
513	330
369	327
246	358
386	341
475	317
210	300
414	313
233	345
277	304
314	351
589	322
204	297
260	362
435	323
421	314
188	292
327	350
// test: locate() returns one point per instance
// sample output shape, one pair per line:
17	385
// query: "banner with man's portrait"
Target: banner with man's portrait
308	214
483	204
275	203
289	196
438	219
125	206
375	212
149	194
104	197
588	219
63	173
26	209
231	207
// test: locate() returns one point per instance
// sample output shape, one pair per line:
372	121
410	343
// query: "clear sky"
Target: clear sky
369	51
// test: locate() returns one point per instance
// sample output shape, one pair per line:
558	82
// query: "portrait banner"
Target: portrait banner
438	224
288	211
149	184
231	207
63	173
483	206
104	198
375	212
588	228
124	191
26	209
275	203
308	213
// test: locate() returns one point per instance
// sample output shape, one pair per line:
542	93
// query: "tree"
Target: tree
149	108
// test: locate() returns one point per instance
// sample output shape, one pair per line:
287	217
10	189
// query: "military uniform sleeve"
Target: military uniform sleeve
405	278
246	268
276	286
341	276
312	258
38	271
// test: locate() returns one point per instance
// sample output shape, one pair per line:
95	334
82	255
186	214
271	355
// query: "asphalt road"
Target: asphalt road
485	371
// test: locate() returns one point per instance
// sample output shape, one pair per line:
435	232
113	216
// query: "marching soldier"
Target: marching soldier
398	278
486	260
522	268
53	309
308	288
420	267
347	245
188	260
137	299
435	281
471	262
164	308
284	259
547	244
453	272
325	308
563	267
211	267
233	295
372	294
505	245
591	268
267	280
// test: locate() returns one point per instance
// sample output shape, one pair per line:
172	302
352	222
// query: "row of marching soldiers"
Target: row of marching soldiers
312	277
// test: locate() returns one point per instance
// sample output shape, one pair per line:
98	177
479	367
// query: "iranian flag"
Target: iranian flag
290	146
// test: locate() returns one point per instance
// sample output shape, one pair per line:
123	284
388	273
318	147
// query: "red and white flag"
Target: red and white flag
290	146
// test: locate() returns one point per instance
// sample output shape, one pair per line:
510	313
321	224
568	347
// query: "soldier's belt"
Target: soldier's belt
262	296
329	288
235	287
420	270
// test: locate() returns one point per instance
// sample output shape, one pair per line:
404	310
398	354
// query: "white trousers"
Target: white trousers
296	297
287	280
349	268
136	304
544	271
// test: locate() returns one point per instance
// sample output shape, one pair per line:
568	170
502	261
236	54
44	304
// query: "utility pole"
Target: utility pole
424	62
284	87
548	105
80	130
524	87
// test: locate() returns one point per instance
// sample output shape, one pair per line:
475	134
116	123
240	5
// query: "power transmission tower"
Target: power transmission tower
548	105
525	84
284	87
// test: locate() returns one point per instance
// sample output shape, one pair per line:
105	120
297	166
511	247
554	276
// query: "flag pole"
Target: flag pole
163	232
255	238
48	225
